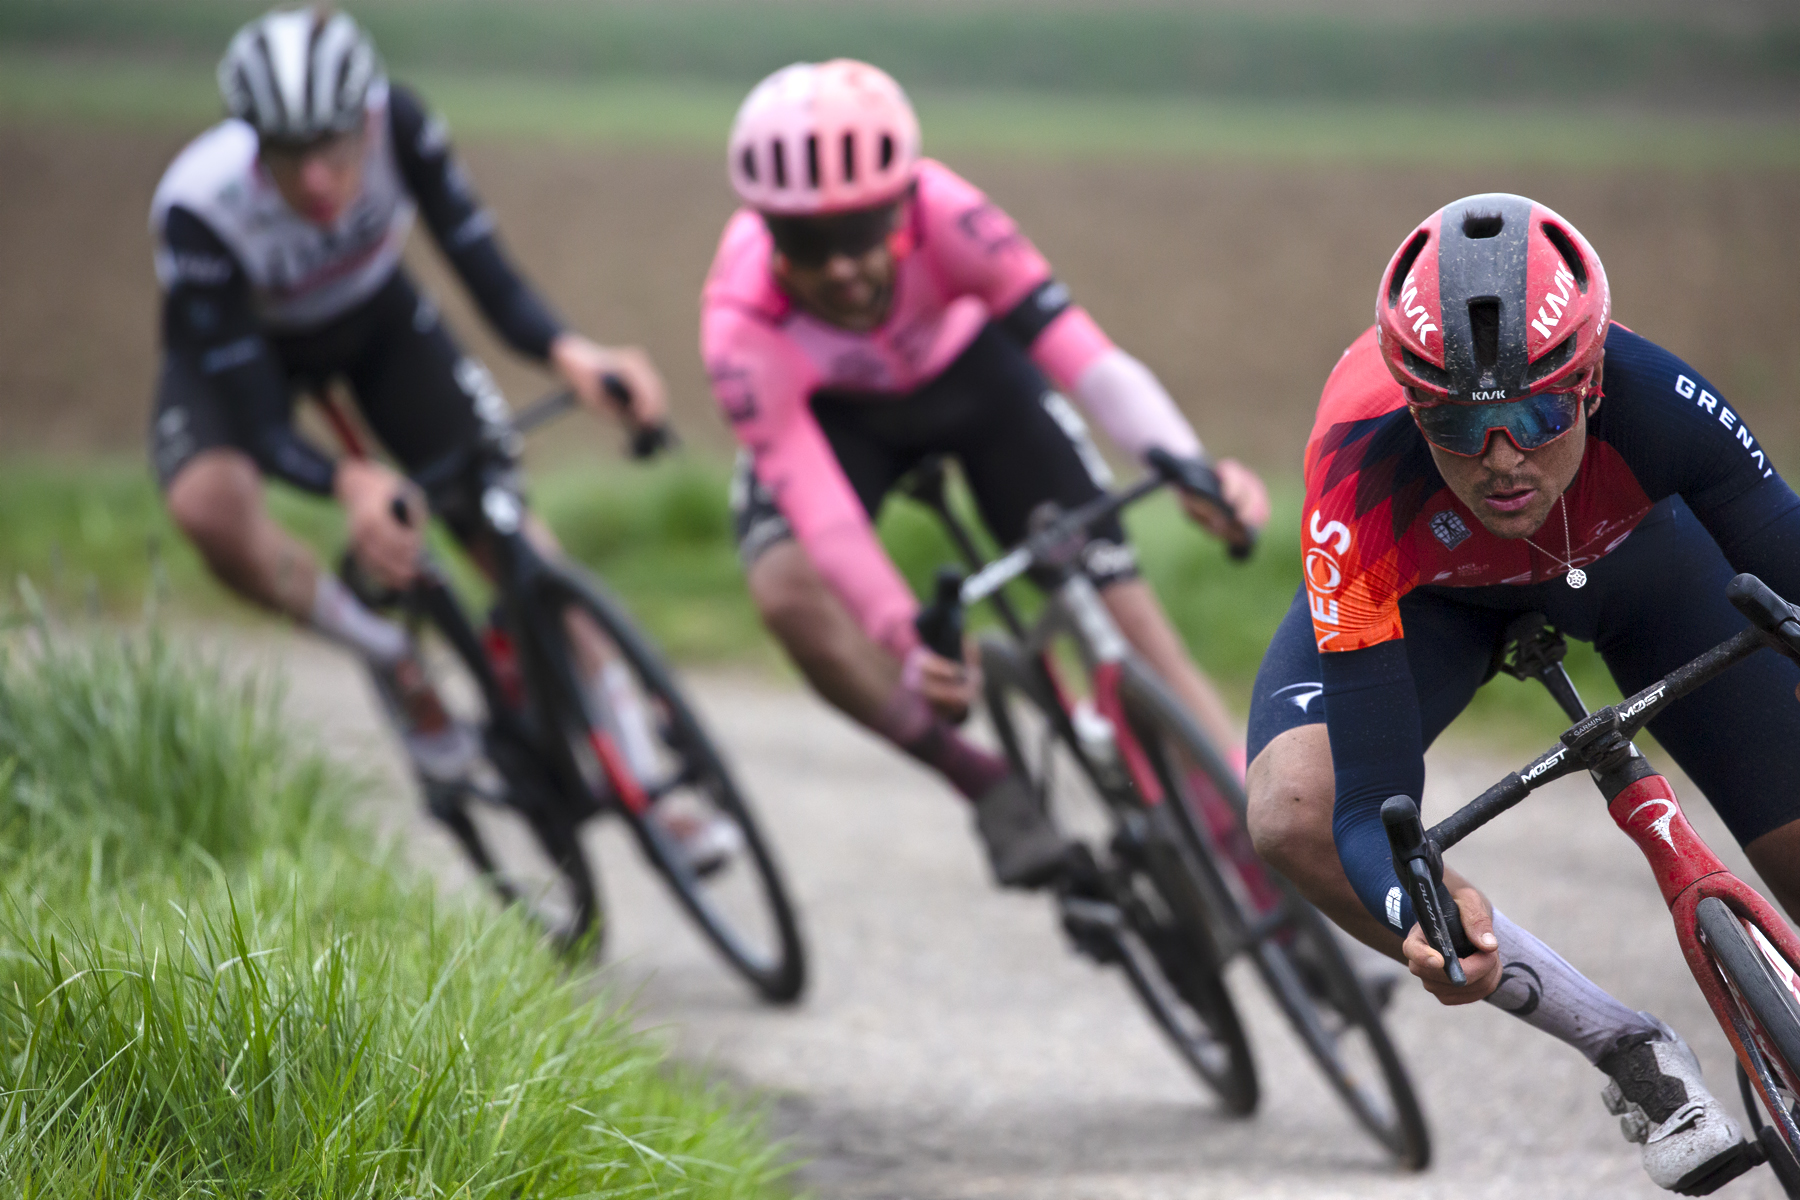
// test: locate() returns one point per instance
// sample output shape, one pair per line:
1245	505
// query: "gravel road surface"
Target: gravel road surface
950	1044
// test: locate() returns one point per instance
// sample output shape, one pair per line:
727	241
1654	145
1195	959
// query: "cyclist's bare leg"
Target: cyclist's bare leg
1291	796
841	662
856	675
1776	857
1142	620
217	502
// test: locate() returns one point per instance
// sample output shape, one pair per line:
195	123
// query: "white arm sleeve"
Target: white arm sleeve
1121	396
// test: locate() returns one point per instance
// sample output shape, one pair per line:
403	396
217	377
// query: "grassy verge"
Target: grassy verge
211	986
94	535
1342	51
691	115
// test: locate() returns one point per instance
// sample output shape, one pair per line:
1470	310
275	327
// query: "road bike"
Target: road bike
1161	880
565	742
1741	952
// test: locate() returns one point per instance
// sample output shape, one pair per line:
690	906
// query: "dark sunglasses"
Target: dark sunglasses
815	241
1532	422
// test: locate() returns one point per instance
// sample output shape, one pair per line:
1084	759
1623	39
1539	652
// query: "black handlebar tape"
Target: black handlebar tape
615	389
940	623
1421	873
1197	478
1767	611
647	441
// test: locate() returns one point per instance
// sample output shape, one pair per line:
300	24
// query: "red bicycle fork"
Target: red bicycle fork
1688	872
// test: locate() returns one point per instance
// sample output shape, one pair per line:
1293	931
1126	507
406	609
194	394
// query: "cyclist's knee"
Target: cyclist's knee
1291	790
214	501
791	596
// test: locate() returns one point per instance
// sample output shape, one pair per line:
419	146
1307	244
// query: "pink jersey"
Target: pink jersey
969	264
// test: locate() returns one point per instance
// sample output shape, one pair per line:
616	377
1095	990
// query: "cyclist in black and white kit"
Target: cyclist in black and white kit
279	234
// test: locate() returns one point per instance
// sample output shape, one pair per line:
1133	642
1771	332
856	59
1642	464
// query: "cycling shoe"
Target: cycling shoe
1691	1145
704	838
1023	847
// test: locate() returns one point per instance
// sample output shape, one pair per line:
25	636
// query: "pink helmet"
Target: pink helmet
817	138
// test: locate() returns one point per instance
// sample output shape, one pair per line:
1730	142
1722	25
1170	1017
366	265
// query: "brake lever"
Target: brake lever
1421	873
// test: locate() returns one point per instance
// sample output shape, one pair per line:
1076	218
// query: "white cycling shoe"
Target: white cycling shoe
1691	1145
705	839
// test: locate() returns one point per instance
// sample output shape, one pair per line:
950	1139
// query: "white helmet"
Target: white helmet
299	74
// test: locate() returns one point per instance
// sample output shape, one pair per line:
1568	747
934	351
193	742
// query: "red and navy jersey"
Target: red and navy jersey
1379	520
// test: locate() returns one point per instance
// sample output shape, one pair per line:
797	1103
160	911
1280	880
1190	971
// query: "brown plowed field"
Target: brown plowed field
1239	283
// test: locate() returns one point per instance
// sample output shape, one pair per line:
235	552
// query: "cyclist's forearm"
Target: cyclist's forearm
1377	751
515	310
1117	391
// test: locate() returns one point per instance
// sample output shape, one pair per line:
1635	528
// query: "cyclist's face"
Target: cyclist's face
318	181
1512	491
849	287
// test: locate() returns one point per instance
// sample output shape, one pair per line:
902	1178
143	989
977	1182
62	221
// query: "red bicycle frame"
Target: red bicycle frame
1688	872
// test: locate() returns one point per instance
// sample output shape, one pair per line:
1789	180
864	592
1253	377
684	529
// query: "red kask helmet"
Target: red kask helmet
1493	298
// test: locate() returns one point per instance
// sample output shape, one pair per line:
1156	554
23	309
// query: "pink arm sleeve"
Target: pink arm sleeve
1117	391
763	382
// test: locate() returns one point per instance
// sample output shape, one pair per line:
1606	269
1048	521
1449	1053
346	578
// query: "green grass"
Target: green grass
687	115
661	537
211	985
1332	52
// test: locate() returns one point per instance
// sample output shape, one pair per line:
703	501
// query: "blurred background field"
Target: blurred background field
1219	182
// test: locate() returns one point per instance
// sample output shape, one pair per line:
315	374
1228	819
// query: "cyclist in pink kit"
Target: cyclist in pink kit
868	308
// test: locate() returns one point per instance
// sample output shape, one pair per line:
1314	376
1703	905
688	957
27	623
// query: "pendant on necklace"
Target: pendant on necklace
1577	578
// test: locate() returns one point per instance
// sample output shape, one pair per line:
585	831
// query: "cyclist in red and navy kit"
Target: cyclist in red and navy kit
1496	445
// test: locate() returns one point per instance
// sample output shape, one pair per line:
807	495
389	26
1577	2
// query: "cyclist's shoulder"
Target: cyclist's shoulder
213	177
954	216
1646	378
740	287
1359	396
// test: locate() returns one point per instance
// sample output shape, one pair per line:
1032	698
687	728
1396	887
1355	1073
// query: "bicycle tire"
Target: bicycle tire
1291	950
1167	961
573	917
1770	1007
772	957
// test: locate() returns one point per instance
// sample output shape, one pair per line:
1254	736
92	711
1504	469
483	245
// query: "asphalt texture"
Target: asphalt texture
950	1044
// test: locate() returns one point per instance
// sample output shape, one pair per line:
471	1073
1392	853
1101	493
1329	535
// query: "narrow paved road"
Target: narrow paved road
950	1045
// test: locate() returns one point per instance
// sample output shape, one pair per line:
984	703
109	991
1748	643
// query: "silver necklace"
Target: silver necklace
1577	577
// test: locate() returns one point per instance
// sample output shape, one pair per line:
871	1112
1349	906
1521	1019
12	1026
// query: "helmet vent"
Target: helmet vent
1484	330
887	151
1404	264
778	153
747	162
1565	246
1482	225
849	158
1549	364
1430	372
812	160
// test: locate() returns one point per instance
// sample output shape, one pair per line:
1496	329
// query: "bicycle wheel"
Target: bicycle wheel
1765	989
738	899
1292	946
506	814
1121	914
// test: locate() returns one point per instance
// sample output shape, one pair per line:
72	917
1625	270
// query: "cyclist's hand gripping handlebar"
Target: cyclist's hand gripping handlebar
1778	620
940	623
1196	477
647	441
1421	873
